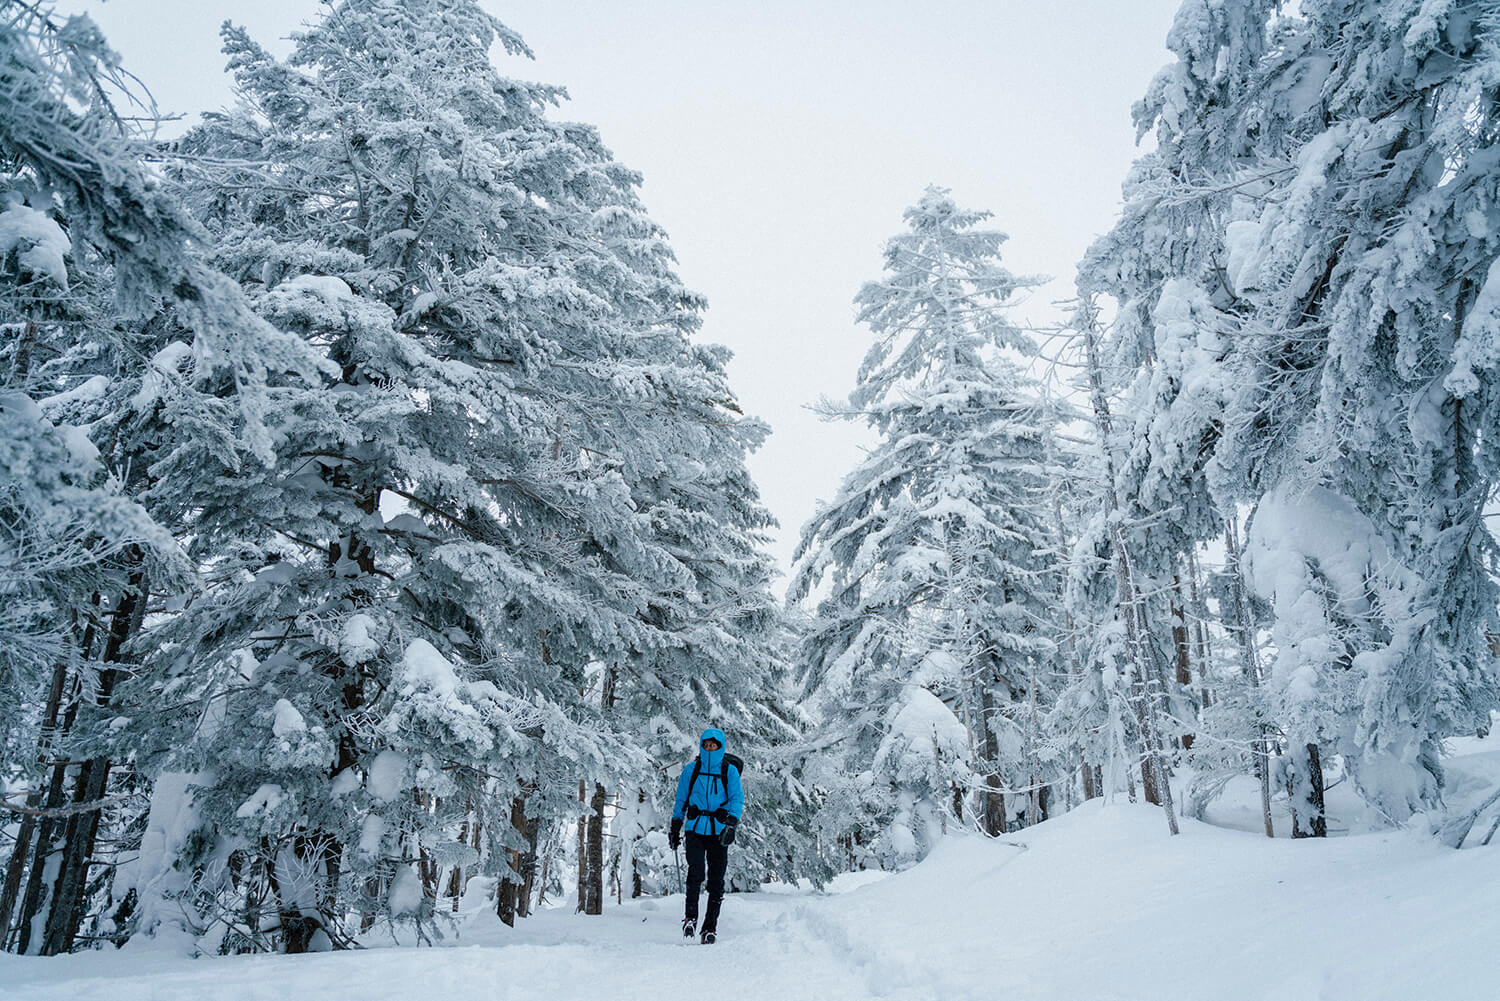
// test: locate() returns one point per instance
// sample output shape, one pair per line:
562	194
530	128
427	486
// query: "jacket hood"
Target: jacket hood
712	733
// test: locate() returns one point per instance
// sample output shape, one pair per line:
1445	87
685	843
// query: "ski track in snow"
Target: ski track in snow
1096	905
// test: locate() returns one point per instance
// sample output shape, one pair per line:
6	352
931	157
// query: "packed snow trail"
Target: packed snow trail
1100	905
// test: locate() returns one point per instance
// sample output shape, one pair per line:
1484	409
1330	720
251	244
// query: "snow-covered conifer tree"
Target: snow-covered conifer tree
932	587
107	295
522	480
1335	164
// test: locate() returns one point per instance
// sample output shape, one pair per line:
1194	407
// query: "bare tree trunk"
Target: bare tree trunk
636	887
1200	629
83	828
529	866
583	845
994	799
593	869
1305	793
1180	644
1245	631
46	853
1127	598
1089	789
591	884
46	742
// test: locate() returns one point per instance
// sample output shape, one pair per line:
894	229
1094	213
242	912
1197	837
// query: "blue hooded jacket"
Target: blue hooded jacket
710	791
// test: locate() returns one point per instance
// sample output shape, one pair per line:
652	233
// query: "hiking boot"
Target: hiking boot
689	927
709	938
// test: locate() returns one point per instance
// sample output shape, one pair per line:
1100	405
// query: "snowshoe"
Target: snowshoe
709	938
689	927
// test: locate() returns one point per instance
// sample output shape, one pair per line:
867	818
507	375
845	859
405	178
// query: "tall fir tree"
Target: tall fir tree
930	566
111	309
516	516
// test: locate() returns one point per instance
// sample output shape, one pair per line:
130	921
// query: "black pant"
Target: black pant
702	848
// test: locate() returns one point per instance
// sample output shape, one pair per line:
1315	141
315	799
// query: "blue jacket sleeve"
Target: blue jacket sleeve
682	791
736	803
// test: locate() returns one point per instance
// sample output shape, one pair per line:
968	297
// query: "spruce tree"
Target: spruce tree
512	530
929	566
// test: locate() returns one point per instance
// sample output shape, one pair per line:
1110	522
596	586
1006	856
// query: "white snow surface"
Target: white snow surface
1096	905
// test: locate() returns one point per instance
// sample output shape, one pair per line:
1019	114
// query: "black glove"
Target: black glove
674	836
726	837
721	815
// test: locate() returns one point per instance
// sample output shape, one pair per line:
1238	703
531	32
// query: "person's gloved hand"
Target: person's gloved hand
721	815
674	836
726	837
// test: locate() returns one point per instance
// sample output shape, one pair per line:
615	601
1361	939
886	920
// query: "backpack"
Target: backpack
724	764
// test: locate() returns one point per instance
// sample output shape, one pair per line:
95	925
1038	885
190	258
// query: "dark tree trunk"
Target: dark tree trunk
1245	631
27	830
1200	629
1183	661
1149	787
993	820
636	888
1093	781
533	830
1305	792
515	886
93	779
297	927
583	845
593	895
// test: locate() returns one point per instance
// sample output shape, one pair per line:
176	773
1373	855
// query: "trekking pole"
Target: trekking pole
678	859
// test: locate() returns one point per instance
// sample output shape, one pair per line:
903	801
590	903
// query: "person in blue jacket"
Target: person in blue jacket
710	800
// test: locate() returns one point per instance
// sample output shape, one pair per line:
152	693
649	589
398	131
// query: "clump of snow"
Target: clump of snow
386	774
79	445
91	389
325	287
344	782
424	667
41	242
288	720
1478	347
372	831
165	365
74	438
263	800
358	644
152	873
1242	254
406	891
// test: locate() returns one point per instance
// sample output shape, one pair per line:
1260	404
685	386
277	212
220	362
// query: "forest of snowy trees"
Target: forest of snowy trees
376	534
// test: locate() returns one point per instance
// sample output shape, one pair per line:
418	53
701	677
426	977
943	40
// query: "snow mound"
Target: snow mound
1099	903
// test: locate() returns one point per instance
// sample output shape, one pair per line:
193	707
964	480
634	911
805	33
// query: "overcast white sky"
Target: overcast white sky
781	140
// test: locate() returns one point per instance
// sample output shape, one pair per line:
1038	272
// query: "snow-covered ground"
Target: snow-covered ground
1097	904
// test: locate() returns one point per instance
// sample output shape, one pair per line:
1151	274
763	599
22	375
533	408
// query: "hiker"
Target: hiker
709	798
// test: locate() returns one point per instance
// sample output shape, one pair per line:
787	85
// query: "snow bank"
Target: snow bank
1097	904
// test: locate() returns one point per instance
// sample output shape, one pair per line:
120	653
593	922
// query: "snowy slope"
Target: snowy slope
1098	904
